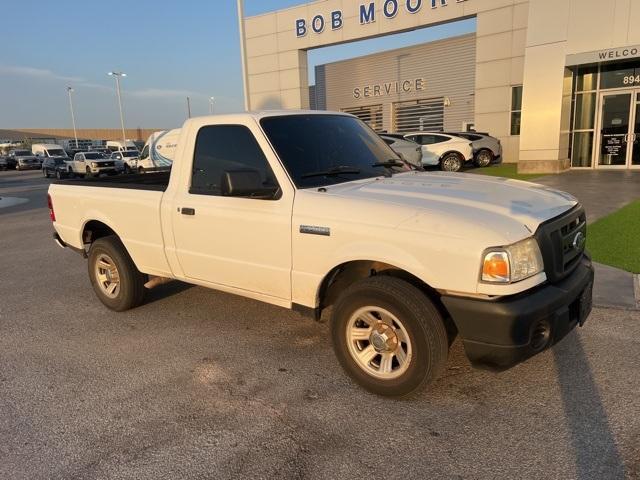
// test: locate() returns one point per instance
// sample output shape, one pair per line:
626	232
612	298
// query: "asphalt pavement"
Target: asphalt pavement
202	384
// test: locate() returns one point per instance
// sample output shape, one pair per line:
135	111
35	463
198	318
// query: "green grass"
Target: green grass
615	240
507	170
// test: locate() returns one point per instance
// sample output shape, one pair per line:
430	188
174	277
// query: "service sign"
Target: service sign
367	14
390	88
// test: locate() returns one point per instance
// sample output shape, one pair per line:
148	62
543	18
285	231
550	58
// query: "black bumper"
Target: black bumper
499	334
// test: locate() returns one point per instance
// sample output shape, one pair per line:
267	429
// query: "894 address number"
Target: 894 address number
631	79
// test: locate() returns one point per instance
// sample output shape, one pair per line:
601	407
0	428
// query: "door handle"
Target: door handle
188	211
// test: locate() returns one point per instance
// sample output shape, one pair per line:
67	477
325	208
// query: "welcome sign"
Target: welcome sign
367	14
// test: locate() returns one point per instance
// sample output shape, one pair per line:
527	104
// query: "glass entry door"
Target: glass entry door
619	139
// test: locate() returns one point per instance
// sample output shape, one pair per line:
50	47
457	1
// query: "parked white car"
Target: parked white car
119	146
313	211
129	159
448	152
91	164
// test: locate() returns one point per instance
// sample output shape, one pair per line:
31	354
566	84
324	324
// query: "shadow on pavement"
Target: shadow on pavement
166	290
592	439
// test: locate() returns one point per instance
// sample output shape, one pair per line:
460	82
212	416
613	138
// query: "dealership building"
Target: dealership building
558	81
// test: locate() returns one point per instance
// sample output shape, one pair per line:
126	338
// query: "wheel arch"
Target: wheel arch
94	229
345	274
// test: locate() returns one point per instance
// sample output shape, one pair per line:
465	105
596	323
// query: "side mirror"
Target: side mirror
245	183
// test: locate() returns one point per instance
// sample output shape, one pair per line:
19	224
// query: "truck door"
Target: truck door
233	225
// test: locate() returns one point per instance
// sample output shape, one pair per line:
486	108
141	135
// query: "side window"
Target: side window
145	152
427	140
439	139
229	162
388	141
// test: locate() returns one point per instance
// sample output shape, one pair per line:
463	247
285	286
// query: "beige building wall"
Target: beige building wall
558	28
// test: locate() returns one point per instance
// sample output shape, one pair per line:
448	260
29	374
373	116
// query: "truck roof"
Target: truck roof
260	114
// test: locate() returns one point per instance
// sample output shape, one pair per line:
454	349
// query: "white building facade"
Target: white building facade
558	81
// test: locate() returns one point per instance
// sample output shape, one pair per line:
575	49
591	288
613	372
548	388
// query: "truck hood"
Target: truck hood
528	203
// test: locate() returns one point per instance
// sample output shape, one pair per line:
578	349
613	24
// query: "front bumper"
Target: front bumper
502	333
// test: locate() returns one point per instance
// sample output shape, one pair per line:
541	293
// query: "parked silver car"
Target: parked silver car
486	149
409	150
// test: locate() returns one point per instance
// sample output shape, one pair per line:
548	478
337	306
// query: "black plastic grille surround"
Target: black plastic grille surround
562	242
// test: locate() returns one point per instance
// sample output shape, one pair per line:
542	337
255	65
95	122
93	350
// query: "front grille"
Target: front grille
562	241
106	164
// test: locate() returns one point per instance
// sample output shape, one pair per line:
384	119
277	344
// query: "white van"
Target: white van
159	151
49	150
119	146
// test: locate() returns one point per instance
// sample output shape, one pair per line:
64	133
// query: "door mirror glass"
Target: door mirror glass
246	183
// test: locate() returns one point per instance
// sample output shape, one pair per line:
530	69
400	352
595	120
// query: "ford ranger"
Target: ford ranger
312	211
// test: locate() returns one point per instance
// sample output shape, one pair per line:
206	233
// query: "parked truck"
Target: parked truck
312	211
159	151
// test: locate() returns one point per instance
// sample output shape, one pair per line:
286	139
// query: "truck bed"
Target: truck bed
145	181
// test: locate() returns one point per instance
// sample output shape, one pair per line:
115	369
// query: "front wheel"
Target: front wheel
114	277
58	175
45	173
388	336
451	162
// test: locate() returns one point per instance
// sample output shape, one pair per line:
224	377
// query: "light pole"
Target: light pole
243	54
117	76
73	117
211	102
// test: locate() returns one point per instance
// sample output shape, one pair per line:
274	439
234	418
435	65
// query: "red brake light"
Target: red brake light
52	214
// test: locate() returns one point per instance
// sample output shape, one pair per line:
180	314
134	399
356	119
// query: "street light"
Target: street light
73	117
117	76
211	102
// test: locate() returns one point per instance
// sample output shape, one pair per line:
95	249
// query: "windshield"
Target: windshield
322	150
22	153
130	153
93	156
56	153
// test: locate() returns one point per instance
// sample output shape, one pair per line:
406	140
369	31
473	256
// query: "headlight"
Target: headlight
513	263
94	164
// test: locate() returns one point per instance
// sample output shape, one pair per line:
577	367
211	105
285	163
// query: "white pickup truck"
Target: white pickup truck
310	210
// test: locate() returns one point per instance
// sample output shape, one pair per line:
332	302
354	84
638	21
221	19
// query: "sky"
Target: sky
167	52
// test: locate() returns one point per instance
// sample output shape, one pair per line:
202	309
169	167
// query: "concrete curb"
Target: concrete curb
636	289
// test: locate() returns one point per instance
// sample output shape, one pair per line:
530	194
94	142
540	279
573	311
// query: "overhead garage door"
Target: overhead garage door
418	115
371	115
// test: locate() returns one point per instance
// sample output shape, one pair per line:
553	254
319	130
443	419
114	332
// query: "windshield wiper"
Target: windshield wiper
389	163
333	172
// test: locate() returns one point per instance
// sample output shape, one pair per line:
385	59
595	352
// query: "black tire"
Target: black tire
140	170
127	170
45	173
420	318
451	162
88	173
483	158
131	289
58	175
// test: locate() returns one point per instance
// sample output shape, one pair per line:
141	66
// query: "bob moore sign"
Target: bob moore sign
389	88
367	14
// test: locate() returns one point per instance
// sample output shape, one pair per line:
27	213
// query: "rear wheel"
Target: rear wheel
451	162
388	336
114	277
484	158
